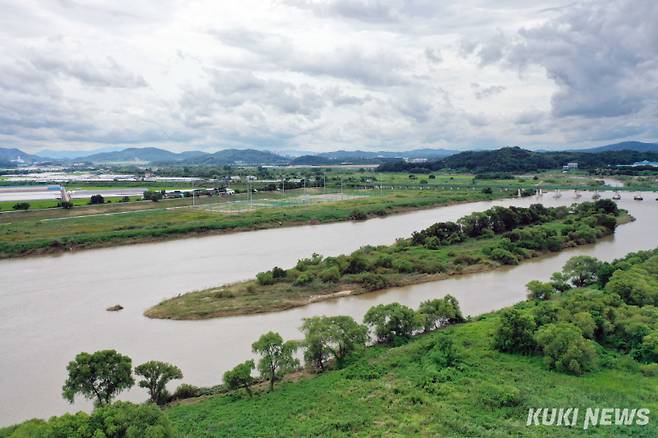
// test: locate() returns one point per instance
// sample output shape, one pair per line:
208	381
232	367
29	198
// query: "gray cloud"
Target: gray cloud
481	92
603	57
319	74
107	74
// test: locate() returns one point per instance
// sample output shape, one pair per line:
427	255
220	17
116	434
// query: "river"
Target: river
53	307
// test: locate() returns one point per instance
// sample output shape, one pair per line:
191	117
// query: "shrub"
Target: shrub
514	333
649	370
265	278
499	396
330	275
445	354
278	273
185	390
565	349
384	261
21	206
504	256
303	279
152	195
403	266
372	281
487	191
439	312
356	263
96	199
119	419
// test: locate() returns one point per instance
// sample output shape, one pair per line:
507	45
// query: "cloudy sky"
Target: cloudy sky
313	75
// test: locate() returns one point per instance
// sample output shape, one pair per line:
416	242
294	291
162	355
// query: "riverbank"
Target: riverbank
424	258
38	236
403	391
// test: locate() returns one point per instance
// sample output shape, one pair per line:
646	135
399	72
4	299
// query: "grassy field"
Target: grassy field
36	204
372	268
402	392
56	230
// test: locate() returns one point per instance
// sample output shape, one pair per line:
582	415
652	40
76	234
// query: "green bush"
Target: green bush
304	279
372	281
392	322
265	278
403	266
515	332
21	206
565	349
649	370
330	275
499	396
185	390
119	419
504	256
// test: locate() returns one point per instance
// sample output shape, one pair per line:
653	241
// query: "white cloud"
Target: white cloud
321	74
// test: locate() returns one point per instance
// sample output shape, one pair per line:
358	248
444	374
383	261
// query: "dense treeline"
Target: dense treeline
589	306
521	230
515	159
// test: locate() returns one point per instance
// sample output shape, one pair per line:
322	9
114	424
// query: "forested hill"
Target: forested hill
515	159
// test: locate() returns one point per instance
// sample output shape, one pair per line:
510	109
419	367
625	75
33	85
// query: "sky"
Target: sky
318	75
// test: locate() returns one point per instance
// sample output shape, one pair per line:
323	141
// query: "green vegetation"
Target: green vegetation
119	419
37	204
100	376
457	381
582	348
156	375
479	241
515	159
48	231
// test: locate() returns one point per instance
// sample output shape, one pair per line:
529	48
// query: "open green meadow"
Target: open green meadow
55	230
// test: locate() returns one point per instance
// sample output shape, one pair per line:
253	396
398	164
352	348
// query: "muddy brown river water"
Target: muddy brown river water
53	307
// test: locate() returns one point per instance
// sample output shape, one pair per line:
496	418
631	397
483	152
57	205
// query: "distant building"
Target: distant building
570	166
235	178
251	178
416	160
645	163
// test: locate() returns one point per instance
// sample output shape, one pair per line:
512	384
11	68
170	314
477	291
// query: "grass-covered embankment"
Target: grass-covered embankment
477	242
29	233
417	390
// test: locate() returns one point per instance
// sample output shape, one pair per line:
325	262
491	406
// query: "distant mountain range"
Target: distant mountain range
637	146
13	156
152	155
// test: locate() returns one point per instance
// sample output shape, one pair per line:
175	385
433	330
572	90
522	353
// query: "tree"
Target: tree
156	376
392	322
438	312
565	349
276	356
560	282
540	291
514	333
582	270
100	375
119	419
240	377
96	199
336	336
